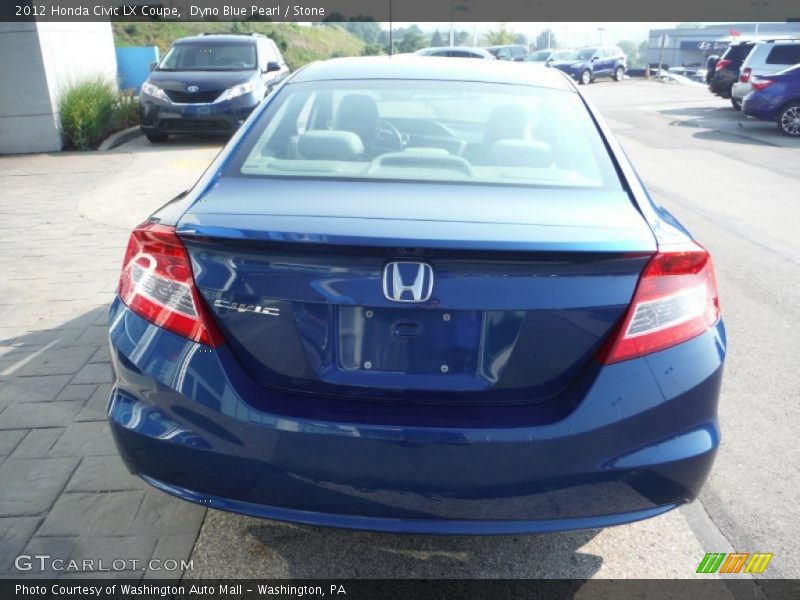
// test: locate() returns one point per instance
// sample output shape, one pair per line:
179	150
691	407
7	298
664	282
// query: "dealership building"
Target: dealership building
684	46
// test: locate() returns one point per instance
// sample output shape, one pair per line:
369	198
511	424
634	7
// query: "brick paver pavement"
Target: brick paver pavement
64	223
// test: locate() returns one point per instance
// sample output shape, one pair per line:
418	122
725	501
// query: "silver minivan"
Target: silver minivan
766	57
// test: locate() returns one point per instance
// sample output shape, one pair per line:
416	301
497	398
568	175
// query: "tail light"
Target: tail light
157	284
745	76
761	84
676	299
722	63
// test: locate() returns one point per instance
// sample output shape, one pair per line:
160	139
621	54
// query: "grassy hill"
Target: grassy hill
299	44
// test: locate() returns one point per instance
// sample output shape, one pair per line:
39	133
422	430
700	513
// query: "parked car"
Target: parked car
209	84
726	69
711	67
456	52
515	52
776	98
587	64
391	351
765	58
691	73
547	57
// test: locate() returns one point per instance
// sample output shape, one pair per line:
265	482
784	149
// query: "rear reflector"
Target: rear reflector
676	299
157	284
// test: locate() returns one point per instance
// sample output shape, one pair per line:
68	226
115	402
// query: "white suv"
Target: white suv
765	58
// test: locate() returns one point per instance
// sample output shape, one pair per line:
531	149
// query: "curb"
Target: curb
119	138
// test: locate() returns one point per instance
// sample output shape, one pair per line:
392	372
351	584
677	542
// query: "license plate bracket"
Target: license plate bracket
409	341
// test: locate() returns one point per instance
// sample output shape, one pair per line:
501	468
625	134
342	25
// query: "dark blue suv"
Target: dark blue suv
209	84
587	64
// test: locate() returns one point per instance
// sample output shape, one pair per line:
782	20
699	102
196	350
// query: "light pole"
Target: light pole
758	4
600	30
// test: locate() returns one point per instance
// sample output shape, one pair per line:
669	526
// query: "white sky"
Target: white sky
568	34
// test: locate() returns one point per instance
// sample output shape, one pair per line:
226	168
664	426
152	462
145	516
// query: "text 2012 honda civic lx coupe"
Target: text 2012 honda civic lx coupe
420	295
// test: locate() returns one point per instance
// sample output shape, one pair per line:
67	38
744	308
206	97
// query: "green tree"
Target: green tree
546	40
500	36
436	39
521	39
642	52
462	38
372	50
413	40
367	31
632	51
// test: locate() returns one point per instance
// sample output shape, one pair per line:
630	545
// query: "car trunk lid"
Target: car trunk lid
519	286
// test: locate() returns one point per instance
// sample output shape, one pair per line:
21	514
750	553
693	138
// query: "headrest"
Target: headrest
329	145
520	153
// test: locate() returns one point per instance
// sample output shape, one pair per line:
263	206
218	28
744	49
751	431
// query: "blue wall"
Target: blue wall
132	65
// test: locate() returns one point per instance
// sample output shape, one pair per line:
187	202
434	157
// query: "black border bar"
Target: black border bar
467	11
710	588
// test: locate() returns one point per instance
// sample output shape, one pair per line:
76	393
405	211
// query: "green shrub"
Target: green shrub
91	110
127	110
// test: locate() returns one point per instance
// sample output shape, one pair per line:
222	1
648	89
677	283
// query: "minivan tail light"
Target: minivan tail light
722	63
157	284
761	84
675	300
745	77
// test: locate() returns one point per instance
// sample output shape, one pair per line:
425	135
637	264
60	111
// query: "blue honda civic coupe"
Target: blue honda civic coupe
419	295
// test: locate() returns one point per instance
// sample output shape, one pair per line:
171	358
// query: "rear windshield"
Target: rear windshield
737	52
427	131
198	56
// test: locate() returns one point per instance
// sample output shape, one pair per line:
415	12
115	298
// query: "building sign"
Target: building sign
704	46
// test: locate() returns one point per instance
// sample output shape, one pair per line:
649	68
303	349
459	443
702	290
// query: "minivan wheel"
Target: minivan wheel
737	104
619	74
586	77
789	119
157	138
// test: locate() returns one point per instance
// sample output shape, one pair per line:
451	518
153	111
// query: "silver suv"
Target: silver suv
765	58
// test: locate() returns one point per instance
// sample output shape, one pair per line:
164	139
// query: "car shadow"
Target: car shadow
308	551
175	142
722	123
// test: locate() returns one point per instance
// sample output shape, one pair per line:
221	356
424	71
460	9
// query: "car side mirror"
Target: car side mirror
272	66
152	65
594	58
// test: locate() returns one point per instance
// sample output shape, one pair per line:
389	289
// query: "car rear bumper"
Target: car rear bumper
722	82
640	442
740	90
759	106
218	118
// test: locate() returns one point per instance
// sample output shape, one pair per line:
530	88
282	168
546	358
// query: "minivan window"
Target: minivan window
199	56
427	131
788	54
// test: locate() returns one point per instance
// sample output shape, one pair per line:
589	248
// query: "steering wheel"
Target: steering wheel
389	136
